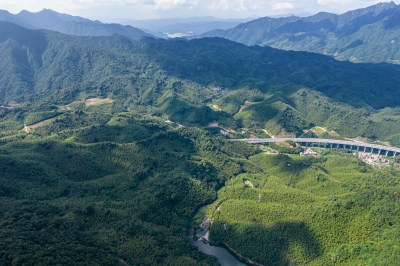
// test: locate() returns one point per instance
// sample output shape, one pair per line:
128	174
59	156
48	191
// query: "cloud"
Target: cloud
283	6
171	4
234	5
185	8
345	5
344	2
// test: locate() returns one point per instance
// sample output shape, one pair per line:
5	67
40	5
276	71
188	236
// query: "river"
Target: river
224	257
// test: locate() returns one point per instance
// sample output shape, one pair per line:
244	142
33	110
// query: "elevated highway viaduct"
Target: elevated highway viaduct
332	143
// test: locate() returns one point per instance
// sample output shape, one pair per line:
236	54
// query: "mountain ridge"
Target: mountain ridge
354	36
73	25
182	80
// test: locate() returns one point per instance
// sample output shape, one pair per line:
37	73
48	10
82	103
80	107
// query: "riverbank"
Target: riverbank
224	256
224	253
240	256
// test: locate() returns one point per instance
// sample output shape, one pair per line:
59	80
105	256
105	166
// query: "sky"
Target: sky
152	9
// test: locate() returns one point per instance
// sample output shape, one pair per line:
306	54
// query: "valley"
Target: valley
118	148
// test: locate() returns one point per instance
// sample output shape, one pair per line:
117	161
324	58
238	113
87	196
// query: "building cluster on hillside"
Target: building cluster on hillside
308	152
372	159
224	132
205	225
221	91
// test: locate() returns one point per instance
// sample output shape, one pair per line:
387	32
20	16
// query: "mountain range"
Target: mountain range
369	34
117	150
72	25
364	35
183	80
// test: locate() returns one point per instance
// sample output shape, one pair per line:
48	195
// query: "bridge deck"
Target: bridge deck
326	141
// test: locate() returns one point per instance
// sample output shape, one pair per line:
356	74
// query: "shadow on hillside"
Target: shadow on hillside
292	169
287	165
232	65
273	245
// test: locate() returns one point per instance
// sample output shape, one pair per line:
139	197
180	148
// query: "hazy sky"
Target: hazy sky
143	9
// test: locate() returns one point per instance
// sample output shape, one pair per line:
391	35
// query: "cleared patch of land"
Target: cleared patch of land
266	132
386	143
246	104
283	144
215	107
42	123
95	101
320	130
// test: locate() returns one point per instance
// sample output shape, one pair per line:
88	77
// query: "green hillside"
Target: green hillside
100	186
176	79
107	154
122	190
364	35
330	210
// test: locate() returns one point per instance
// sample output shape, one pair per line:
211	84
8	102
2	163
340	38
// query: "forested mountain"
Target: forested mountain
107	155
312	211
176	78
364	35
72	25
111	193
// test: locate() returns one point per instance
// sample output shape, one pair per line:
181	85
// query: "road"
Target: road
331	143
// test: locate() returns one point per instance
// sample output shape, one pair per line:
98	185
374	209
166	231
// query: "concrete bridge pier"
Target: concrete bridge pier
379	152
387	152
395	153
358	148
372	150
365	149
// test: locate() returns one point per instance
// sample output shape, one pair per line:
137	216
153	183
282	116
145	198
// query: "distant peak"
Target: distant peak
24	12
386	4
45	10
381	7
